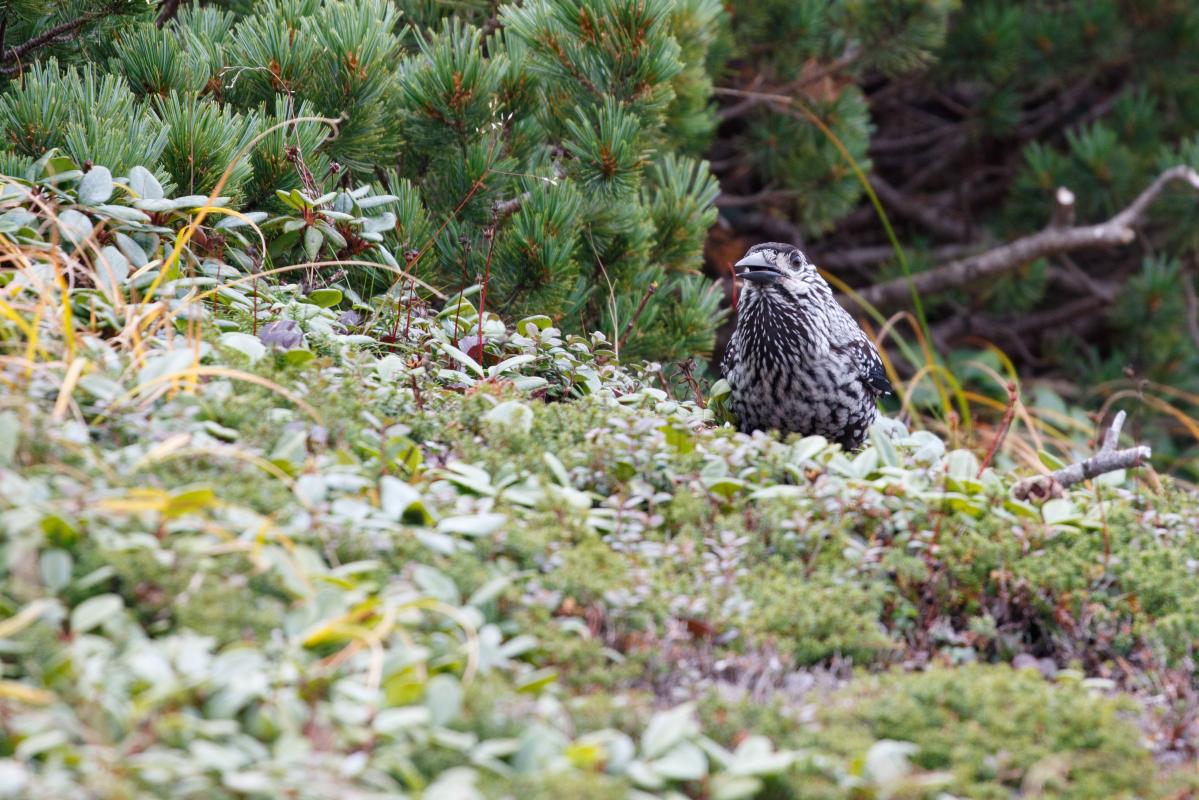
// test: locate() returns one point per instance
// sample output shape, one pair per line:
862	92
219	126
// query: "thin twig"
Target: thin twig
688	369
628	329
1108	459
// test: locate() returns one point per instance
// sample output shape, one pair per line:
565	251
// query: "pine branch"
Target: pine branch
1055	238
1108	459
64	31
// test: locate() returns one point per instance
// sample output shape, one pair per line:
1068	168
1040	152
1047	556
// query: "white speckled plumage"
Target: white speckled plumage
797	361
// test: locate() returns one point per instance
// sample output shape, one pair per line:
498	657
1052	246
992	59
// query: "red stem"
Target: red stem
1004	425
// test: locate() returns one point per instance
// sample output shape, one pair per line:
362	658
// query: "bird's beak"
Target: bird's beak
754	267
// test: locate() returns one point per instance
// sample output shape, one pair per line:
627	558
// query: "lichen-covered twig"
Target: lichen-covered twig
1108	459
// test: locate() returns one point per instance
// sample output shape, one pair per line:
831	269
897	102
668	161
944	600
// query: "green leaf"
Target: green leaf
55	566
734	787
376	200
684	762
74	226
725	487
249	346
667	728
10	435
314	240
325	298
100	387
757	756
510	415
882	444
402	502
436	584
962	464
332	234
95	611
529	325
155	205
1060	511
535	681
390	721
443	698
189	501
473	524
464	359
96	186
112	268
807	448
143	184
124	214
1050	460
298	357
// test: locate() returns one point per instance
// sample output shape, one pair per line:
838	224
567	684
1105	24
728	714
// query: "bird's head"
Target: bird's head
777	266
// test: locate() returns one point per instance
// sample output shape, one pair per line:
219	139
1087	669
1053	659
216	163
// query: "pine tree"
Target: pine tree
539	144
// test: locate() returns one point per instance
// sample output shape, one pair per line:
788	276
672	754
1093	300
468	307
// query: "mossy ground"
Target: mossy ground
639	557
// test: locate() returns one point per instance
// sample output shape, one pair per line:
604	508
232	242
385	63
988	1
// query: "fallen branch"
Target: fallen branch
1053	239
1108	459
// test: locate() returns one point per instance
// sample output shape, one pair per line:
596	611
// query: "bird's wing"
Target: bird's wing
730	356
852	342
861	353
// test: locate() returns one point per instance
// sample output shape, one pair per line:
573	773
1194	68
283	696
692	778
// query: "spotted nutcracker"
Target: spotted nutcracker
797	361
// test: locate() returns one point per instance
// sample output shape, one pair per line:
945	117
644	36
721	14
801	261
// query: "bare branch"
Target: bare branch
1063	209
1108	459
167	10
506	208
1116	231
63	30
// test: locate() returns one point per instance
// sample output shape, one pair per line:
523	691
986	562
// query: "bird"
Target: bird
797	362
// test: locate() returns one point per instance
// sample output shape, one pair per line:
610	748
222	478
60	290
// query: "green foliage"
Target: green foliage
984	732
542	152
204	138
295	519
